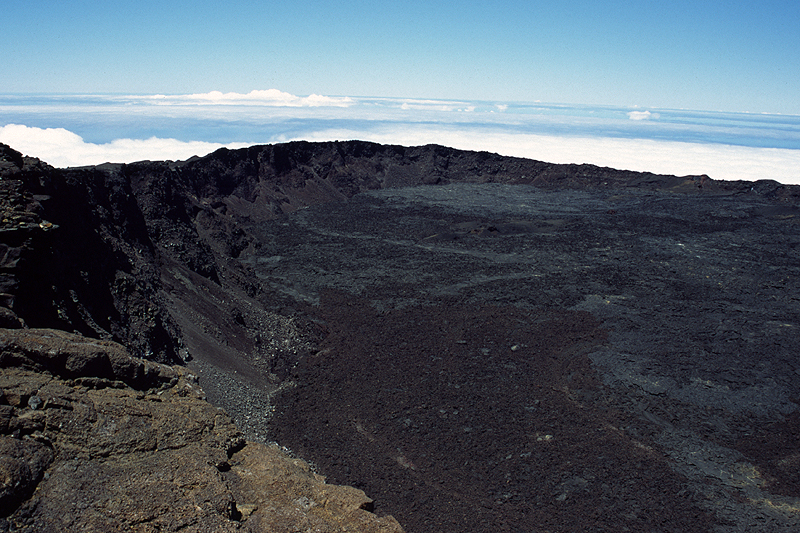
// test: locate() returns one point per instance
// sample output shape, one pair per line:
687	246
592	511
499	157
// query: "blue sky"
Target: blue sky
671	87
731	56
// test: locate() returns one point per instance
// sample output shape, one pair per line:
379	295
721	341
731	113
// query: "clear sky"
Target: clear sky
706	55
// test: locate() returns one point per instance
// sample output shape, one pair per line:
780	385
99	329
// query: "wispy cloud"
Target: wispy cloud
62	148
433	105
642	115
268	97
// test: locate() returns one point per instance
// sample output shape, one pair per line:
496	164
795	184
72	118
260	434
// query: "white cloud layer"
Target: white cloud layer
62	148
642	115
268	97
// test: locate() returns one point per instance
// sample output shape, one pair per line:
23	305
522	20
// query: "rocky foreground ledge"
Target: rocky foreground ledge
92	439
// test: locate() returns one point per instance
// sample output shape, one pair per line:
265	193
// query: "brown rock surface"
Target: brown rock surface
84	451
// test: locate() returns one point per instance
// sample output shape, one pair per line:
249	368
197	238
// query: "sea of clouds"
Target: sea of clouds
77	130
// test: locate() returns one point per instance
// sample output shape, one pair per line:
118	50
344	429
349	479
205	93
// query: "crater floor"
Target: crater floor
505	358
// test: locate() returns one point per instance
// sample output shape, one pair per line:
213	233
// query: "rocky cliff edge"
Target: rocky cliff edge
92	439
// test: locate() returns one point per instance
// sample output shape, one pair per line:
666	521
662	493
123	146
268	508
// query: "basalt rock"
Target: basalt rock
76	256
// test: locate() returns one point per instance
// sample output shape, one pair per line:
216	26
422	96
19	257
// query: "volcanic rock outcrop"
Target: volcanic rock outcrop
92	439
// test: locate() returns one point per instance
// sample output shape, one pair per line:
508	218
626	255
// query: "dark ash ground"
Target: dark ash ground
505	358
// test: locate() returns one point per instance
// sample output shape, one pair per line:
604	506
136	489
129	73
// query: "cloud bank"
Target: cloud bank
642	115
62	148
268	97
719	161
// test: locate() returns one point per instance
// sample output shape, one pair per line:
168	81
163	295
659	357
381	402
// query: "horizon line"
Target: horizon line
418	99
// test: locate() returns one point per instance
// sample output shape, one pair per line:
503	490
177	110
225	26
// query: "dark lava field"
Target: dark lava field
506	358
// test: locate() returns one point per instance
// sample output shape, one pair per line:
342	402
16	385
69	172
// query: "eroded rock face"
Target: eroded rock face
81	450
72	356
75	254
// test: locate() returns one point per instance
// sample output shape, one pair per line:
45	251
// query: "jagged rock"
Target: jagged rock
72	356
80	230
9	319
22	464
97	454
